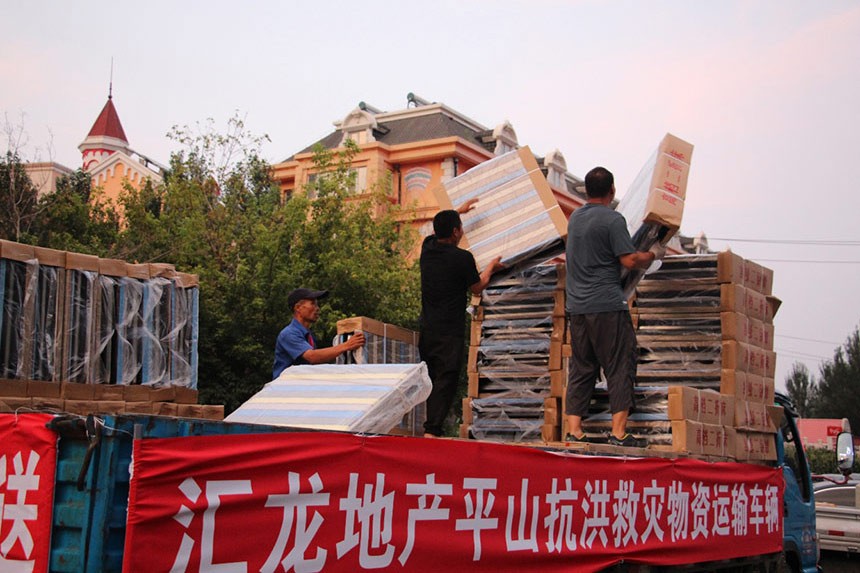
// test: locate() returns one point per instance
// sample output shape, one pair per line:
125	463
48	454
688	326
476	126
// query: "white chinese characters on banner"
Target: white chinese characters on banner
599	514
17	478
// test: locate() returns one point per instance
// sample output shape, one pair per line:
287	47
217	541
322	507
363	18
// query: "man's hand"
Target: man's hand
658	250
495	265
467	206
355	341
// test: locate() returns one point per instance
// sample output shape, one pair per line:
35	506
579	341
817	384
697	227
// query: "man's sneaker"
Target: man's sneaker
571	438
628	441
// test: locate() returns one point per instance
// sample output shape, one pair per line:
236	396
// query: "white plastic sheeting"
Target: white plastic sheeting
349	397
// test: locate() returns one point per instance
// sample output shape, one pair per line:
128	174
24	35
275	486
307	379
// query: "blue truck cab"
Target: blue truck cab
800	545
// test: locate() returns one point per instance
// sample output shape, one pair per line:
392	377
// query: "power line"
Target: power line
803	355
816	242
806	261
808	339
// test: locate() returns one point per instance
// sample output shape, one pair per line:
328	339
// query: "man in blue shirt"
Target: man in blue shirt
296	344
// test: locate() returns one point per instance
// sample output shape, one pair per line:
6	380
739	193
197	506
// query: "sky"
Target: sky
767	91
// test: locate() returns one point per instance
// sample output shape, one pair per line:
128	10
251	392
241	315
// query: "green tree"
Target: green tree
18	198
801	389
838	389
224	220
76	218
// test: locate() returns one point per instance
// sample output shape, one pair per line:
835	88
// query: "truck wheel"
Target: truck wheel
783	564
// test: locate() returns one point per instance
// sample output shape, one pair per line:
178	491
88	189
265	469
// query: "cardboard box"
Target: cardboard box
16	251
162	270
664	208
77	392
138	408
730	268
44	389
705	406
110	392
745	386
185	280
13	388
747	358
140	271
758	278
752	446
753	416
136	393
11	404
184	395
47	404
165	409
113	267
50	257
703	439
81	262
773	305
212	412
737	298
379	328
735	326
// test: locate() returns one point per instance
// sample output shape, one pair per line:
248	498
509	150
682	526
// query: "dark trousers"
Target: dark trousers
601	340
443	355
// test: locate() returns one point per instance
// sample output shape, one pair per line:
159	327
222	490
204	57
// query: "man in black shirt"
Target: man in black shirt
447	271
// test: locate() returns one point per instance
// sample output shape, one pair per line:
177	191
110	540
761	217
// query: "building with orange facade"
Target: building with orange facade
420	147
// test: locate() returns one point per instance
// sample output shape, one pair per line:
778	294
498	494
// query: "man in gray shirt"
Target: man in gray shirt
598	246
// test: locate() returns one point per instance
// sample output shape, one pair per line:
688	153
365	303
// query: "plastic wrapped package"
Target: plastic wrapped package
384	343
104	369
129	324
516	217
538	280
517	419
13	290
654	203
155	332
45	288
183	336
79	331
350	397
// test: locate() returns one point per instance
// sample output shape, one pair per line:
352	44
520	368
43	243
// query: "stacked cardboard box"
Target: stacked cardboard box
83	399
706	322
515	365
385	344
710	423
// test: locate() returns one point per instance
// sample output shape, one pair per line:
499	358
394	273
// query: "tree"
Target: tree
229	226
801	389
77	218
838	390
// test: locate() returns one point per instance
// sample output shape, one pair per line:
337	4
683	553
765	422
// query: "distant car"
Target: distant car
837	517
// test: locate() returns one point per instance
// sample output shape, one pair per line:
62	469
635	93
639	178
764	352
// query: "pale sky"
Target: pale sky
767	91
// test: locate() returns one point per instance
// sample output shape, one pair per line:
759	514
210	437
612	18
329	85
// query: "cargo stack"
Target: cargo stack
515	365
384	344
96	329
705	322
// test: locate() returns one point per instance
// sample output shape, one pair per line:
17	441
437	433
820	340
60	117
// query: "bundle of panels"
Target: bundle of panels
653	205
516	217
384	344
515	365
347	397
69	317
702	322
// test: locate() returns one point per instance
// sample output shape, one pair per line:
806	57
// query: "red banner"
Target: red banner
28	462
310	502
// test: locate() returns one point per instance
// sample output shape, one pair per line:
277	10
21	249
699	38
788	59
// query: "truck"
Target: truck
837	511
155	493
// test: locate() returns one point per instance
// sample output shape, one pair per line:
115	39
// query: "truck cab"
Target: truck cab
800	543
